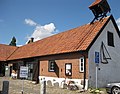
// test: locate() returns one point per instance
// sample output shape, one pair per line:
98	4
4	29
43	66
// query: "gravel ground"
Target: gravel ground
15	87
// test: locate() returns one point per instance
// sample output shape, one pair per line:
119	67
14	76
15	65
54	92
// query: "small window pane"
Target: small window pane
81	68
81	60
81	64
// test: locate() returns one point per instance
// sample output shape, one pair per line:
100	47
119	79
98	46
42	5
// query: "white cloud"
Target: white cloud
49	27
118	23
41	32
30	22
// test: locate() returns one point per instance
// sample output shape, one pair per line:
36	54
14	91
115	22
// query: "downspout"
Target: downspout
84	76
38	71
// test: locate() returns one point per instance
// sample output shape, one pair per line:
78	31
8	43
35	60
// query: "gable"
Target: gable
115	26
107	44
109	54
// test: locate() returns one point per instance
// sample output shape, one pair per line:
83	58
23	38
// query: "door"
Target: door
30	71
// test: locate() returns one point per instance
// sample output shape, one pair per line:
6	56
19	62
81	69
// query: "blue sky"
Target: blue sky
41	18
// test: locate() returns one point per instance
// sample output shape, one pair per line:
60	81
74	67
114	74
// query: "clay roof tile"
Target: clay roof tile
77	39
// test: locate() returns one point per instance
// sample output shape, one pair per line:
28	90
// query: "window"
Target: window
110	39
68	69
51	65
81	64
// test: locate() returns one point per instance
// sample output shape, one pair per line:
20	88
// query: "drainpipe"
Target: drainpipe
84	76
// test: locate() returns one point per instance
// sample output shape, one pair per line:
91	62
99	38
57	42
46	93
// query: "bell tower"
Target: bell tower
100	8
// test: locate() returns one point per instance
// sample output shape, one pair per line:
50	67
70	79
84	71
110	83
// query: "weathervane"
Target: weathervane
99	8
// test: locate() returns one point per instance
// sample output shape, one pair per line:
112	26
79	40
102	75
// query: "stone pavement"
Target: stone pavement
15	87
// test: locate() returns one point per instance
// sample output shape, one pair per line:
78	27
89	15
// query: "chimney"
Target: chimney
31	40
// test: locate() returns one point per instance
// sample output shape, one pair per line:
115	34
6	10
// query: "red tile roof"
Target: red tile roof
95	3
6	51
77	39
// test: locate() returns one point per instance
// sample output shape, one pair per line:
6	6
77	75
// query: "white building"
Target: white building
107	44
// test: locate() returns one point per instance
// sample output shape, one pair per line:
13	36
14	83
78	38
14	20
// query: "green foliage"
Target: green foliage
94	91
97	91
13	42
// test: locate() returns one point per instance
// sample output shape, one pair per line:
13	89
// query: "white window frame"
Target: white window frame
51	65
81	66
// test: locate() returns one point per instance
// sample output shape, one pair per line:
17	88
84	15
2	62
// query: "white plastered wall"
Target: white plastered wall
106	72
62	81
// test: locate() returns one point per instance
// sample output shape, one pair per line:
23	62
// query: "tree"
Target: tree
13	42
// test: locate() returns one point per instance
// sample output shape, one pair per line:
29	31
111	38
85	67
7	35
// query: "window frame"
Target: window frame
110	39
51	65
81	67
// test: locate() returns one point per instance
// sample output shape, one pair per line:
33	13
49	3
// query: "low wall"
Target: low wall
53	81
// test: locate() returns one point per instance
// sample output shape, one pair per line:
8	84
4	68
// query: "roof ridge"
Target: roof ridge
8	45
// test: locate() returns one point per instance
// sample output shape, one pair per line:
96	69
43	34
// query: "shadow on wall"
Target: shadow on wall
57	70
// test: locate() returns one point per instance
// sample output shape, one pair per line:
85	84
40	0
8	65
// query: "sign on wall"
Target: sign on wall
23	72
68	69
97	57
